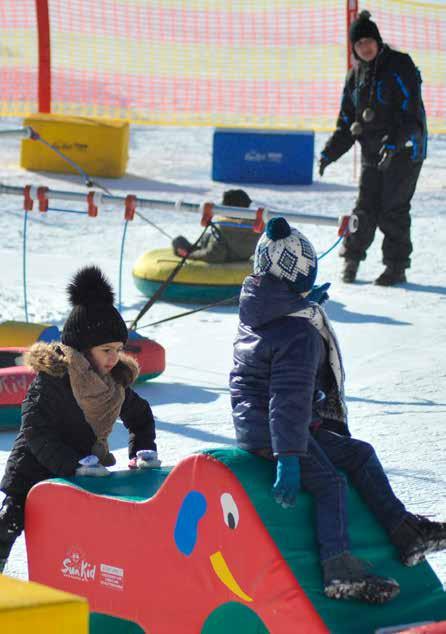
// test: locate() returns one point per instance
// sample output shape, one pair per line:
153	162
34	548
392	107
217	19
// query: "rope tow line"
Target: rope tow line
160	290
222	302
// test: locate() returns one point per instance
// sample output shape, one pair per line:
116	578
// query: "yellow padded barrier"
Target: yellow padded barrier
98	146
27	607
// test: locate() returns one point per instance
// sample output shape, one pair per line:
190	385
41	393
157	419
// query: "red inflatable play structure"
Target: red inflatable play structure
168	562
204	548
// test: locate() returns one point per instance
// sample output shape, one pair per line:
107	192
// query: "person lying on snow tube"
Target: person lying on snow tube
228	239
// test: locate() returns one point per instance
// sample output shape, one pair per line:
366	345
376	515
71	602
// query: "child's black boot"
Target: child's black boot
416	537
11	525
347	577
5	549
11	519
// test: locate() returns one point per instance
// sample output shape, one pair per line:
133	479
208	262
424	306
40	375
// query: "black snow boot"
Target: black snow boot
416	537
391	275
350	271
5	549
347	577
11	519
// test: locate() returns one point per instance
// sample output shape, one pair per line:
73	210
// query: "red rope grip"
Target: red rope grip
130	207
343	228
93	202
259	224
28	196
42	198
206	213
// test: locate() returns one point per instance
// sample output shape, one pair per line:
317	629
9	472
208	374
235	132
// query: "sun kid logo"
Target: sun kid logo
76	566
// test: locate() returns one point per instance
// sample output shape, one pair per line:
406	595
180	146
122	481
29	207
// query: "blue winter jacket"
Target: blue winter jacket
280	363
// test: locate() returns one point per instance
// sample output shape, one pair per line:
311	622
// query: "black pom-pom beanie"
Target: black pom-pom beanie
363	26
93	320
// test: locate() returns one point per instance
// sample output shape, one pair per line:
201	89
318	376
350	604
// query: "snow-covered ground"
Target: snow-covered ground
393	339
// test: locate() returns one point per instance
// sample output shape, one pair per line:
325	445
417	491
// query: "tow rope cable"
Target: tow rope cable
229	300
160	290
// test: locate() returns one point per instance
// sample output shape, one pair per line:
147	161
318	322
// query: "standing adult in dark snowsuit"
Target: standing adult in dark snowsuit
382	108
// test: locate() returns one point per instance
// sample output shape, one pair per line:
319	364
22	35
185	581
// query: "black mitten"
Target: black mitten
386	153
181	246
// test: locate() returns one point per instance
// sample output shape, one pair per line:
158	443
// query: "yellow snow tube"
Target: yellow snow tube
21	333
197	282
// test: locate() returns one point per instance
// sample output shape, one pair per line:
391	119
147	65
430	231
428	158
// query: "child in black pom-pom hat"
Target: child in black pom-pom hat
288	405
82	386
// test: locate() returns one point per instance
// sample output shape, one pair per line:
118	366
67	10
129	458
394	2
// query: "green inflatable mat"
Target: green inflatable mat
421	599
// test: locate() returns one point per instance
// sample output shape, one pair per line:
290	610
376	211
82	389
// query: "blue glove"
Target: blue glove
287	484
319	294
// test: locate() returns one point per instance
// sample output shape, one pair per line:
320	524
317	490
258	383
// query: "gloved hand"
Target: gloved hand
287	484
181	246
145	459
319	294
386	153
90	466
323	162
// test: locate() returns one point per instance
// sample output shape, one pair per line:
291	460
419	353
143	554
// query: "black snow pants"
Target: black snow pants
384	202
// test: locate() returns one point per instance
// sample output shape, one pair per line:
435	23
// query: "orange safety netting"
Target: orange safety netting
250	63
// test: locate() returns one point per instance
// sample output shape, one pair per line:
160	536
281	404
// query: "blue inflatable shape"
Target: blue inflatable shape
186	529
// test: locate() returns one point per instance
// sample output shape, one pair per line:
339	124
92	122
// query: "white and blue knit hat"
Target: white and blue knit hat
287	254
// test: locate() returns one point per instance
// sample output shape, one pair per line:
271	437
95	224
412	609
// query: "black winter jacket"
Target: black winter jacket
54	434
391	86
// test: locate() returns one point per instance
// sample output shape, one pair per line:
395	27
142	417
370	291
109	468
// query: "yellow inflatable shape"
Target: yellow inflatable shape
32	608
158	264
98	146
222	571
20	333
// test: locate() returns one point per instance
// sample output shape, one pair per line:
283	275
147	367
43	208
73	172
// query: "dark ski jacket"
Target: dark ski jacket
280	364
391	86
229	240
54	434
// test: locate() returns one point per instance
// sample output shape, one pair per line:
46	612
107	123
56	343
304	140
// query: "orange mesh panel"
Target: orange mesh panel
254	63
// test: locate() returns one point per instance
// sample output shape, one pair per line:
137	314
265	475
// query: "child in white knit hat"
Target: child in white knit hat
288	405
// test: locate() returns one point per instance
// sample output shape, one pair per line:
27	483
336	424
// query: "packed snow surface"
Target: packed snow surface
393	339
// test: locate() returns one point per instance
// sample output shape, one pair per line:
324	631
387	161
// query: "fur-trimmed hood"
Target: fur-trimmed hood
49	358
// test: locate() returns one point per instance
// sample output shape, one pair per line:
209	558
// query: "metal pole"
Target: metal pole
169	205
